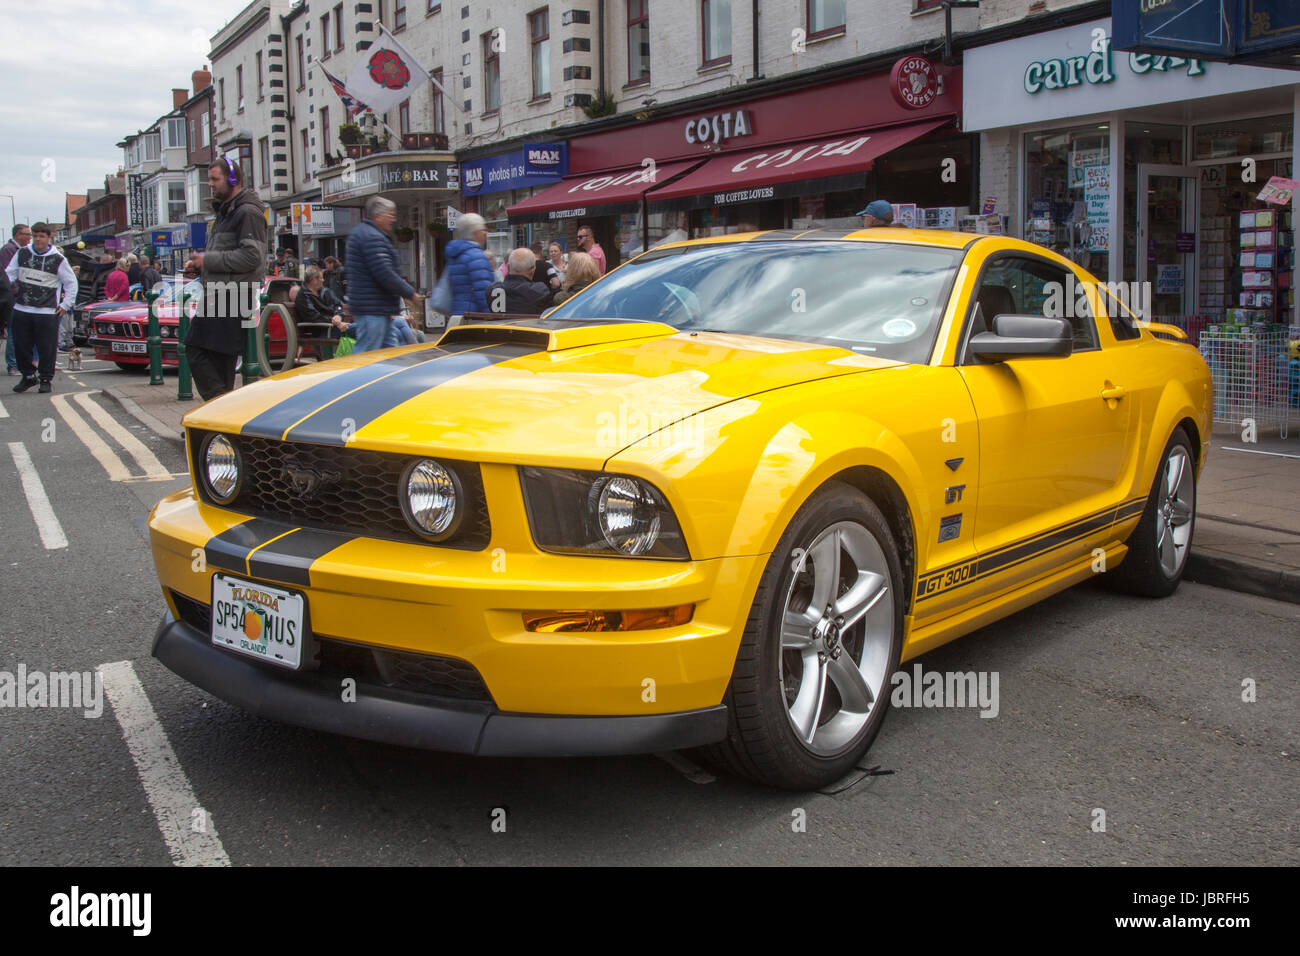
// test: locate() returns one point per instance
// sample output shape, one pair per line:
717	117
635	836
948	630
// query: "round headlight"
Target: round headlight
629	515
431	499
221	468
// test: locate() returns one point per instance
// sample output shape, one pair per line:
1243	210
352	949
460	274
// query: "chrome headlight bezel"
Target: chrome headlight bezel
565	514
236	461
444	529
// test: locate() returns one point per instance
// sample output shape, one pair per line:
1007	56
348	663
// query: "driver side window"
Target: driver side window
1026	285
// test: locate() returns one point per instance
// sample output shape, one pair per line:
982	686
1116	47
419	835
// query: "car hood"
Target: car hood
540	391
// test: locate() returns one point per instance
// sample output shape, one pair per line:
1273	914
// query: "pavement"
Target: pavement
1248	511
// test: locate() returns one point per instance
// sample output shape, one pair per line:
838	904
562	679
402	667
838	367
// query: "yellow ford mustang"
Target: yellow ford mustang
712	501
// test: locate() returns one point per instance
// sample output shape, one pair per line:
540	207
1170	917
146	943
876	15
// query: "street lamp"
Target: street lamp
12	211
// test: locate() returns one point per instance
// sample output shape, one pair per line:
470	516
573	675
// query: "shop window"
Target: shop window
176	201
1253	137
638	41
715	31
491	71
540	34
1068	194
825	18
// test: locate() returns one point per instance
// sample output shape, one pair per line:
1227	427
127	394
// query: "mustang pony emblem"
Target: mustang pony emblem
308	481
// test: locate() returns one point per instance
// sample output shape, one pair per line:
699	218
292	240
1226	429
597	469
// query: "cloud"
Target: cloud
116	64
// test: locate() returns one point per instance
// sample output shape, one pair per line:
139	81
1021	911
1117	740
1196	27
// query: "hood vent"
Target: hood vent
553	335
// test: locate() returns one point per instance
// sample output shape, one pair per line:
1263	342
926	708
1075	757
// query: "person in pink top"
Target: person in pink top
117	286
587	243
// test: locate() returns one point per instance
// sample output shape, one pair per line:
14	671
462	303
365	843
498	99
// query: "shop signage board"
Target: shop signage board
534	165
1044	77
1244	31
312	219
1169	279
718	128
135	199
914	82
1185	242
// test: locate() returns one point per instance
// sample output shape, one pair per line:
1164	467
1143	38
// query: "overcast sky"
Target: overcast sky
77	76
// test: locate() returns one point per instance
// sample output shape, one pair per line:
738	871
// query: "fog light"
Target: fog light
552	622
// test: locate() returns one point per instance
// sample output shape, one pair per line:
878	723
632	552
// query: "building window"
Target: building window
324	131
221	98
439	108
173	131
715	31
434	7
338	28
491	71
306	156
928	5
399	15
239	87
825	17
539	32
203	130
638	41
197	191
264	160
404	117
261	86
379	11
302	68
151	154
325	36
176	201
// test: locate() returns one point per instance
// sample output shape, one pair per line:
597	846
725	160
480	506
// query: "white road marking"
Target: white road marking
106	456
165	785
690	771
1256	451
3	413
146	459
47	524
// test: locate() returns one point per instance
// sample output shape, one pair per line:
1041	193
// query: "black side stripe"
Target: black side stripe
229	550
325	427
289	559
1009	556
273	422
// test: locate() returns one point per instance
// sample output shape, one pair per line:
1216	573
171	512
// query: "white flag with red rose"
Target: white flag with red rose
386	74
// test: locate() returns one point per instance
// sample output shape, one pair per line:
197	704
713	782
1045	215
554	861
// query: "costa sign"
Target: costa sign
788	157
914	83
718	127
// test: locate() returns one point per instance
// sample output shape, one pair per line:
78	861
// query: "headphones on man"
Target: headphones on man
232	170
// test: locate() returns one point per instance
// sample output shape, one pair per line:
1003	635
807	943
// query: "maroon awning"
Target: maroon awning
609	194
820	165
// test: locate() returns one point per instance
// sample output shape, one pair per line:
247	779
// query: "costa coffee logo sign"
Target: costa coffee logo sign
718	127
914	82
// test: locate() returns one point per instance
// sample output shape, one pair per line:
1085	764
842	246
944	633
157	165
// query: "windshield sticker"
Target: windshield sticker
899	328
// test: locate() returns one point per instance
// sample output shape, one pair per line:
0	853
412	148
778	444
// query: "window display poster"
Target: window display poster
1082	159
989	206
1096	198
1278	190
1169	279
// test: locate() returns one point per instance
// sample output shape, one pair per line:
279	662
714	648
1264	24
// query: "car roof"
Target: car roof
930	237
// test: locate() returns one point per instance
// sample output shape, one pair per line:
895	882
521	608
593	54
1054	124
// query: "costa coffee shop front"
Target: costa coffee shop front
1141	168
817	154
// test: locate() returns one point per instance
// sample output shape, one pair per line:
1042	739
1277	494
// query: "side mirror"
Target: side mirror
1021	336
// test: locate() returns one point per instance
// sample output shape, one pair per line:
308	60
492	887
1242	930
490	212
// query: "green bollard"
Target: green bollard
253	371
183	390
154	340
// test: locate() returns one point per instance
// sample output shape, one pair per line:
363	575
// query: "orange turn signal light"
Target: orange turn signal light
552	622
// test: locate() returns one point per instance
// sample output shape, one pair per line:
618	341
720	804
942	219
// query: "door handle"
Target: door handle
1112	393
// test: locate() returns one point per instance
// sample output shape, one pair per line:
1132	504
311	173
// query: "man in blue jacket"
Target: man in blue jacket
471	273
375	288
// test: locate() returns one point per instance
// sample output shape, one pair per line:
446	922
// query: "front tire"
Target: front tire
1160	544
810	688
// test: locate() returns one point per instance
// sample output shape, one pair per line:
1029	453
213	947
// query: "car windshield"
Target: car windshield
877	298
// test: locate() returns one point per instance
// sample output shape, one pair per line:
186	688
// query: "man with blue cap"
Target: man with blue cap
878	213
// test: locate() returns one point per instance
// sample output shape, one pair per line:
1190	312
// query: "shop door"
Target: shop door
1166	236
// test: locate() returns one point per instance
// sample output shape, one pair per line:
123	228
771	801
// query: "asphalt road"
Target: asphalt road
1124	705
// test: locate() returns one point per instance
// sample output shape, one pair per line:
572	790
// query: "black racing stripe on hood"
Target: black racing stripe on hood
273	422
229	550
289	559
326	427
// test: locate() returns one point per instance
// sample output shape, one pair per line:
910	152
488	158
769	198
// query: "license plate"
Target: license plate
133	347
258	620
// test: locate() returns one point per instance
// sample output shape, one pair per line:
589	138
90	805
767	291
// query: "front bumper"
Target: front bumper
396	717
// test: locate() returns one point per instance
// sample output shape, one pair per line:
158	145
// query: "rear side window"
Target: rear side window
1123	323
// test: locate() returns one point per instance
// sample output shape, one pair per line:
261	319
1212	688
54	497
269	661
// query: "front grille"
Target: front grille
358	490
429	674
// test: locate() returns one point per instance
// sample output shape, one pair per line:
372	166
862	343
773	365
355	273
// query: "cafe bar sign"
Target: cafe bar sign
1098	67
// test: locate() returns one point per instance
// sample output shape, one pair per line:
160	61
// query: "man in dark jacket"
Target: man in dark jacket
22	236
517	292
232	269
150	277
375	288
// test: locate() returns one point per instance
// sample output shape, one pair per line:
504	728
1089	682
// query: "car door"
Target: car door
1054	433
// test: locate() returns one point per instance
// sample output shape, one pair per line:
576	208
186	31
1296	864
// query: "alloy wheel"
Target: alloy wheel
1174	512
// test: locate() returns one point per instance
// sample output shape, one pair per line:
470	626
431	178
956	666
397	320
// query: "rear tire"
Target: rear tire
1159	545
810	687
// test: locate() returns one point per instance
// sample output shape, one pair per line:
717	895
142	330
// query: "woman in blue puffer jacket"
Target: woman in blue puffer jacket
471	273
